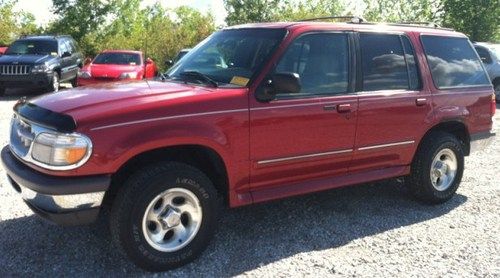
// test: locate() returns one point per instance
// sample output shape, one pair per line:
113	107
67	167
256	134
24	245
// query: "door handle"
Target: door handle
329	107
343	108
421	101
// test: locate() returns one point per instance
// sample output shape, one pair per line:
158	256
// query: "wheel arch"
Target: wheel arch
202	157
455	127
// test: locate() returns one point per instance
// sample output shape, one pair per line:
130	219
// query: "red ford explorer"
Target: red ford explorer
253	113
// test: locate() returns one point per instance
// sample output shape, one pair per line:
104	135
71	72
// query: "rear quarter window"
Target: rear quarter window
453	62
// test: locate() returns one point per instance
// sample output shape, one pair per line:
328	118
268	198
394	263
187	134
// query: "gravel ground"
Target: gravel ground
370	230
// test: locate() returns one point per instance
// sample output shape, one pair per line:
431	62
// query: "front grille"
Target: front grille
15	69
21	136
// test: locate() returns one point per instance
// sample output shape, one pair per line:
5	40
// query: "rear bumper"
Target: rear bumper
480	141
38	80
62	200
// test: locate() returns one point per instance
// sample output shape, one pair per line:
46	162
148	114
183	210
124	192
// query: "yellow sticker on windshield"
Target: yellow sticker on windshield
53	53
240	81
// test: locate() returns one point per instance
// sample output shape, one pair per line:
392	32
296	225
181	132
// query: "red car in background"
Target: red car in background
3	49
116	65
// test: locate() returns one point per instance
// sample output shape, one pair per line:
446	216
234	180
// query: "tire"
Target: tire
74	82
137	237
55	83
432	180
2	91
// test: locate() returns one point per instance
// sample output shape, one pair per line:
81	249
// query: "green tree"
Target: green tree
479	19
245	11
13	24
401	10
297	10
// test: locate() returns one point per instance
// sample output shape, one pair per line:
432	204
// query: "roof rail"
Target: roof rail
351	19
44	35
422	24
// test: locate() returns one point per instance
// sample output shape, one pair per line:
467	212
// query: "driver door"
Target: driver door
309	135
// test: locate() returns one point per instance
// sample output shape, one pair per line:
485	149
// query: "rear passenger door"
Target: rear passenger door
66	61
393	107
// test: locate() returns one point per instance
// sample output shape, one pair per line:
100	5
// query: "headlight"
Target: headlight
84	74
61	150
40	68
128	75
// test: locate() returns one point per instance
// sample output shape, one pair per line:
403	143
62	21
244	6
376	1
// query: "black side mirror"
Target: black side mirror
283	83
169	63
66	54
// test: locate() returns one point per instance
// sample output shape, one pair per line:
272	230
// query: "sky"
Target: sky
41	9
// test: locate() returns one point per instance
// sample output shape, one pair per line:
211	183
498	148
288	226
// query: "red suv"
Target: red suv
254	113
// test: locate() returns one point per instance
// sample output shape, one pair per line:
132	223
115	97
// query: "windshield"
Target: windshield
36	47
111	58
229	57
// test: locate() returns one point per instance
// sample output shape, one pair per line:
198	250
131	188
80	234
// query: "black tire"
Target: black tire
134	199
74	82
52	88
2	91
420	182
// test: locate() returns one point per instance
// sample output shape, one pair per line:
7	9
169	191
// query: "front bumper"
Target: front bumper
62	200
33	80
480	141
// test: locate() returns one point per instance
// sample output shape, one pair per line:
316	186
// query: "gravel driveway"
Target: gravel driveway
369	230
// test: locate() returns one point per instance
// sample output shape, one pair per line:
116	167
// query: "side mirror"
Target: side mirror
149	61
87	61
486	60
283	83
66	54
169	63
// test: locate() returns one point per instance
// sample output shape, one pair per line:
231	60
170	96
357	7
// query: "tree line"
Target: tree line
162	32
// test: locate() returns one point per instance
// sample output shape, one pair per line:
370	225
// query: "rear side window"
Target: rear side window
388	63
453	62
322	62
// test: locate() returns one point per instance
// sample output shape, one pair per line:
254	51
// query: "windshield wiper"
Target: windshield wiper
200	77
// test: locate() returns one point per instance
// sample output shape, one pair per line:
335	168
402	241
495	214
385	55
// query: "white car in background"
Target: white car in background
490	55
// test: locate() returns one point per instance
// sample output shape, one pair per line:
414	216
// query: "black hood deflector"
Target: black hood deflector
44	117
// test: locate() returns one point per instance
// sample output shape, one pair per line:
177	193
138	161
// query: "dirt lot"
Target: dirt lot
370	230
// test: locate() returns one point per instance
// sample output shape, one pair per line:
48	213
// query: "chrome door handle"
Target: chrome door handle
329	107
343	108
421	101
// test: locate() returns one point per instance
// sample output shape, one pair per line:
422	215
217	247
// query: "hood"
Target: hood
111	71
25	59
112	99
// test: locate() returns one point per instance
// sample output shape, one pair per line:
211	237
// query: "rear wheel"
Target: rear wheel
74	82
164	216
437	169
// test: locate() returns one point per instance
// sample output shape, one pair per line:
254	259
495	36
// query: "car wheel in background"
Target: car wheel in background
164	216
55	83
437	169
74	82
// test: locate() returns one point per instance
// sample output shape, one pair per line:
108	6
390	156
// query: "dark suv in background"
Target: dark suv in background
40	62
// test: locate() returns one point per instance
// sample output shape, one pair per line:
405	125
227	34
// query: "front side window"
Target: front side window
383	63
228	57
453	62
322	62
484	55
110	58
35	47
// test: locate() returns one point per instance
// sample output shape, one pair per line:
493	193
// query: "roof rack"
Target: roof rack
421	24
351	19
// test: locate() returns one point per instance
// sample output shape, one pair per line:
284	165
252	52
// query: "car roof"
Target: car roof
122	51
375	27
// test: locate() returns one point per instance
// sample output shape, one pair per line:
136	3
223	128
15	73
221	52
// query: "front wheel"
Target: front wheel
437	169
164	216
54	83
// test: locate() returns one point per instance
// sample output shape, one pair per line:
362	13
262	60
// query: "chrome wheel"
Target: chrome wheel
444	169
55	82
172	219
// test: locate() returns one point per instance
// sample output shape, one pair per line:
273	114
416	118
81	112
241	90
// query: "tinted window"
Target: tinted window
384	66
37	47
321	61
453	62
414	79
484	55
118	58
